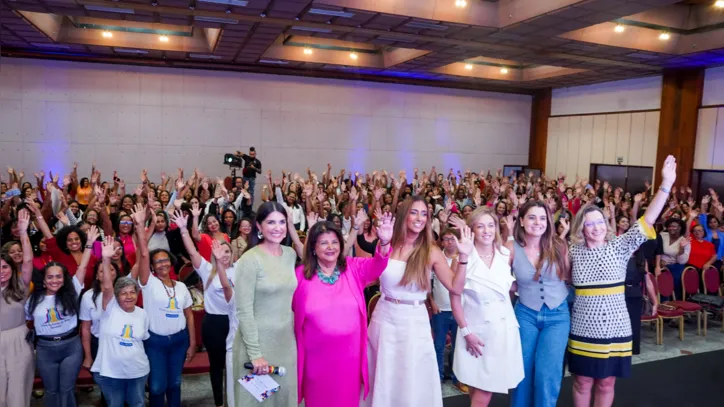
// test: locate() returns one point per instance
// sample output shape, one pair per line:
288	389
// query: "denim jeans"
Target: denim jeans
543	337
252	183
58	364
442	323
120	392
166	355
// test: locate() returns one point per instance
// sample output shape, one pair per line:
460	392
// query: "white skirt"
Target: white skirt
401	356
501	366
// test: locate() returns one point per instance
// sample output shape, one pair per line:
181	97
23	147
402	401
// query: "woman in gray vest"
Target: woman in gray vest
541	268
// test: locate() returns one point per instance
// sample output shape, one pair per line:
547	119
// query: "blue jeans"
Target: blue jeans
166	355
252	182
543	337
442	323
119	392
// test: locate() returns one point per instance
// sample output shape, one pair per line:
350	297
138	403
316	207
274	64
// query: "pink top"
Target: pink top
359	273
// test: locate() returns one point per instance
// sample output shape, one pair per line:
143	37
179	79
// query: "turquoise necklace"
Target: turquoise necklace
328	279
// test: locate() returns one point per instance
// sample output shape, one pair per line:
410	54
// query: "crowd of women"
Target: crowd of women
493	257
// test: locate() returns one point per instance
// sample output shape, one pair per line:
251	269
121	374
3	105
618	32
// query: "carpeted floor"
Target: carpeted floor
686	381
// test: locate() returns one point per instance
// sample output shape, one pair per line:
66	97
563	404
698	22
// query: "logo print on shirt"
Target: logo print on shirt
126	333
172	306
52	316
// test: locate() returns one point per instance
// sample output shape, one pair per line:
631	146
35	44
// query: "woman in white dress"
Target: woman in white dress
402	362
488	356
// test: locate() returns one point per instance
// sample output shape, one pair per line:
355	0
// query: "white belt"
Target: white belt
405	302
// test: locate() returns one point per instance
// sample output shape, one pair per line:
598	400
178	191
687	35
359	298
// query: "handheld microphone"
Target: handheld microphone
277	370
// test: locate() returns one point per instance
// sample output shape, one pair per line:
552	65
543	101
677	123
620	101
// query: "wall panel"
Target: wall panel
126	118
600	139
706	135
608	97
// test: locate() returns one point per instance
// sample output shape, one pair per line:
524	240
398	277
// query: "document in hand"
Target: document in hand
260	386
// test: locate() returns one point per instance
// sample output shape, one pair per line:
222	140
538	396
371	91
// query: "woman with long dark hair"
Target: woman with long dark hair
400	349
541	268
330	318
16	354
264	305
238	245
54	306
210	231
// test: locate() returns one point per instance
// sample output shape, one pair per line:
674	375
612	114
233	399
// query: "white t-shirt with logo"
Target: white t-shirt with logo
90	311
214	300
165	306
49	316
120	347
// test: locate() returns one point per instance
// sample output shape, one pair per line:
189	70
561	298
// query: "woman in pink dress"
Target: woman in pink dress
331	342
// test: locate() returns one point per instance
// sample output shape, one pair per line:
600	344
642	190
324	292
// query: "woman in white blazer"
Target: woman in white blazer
488	356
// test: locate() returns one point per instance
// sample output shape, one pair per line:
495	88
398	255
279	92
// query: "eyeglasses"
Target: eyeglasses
599	222
162	261
448	239
125	222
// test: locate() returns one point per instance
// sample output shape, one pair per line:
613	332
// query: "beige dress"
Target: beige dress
264	288
17	367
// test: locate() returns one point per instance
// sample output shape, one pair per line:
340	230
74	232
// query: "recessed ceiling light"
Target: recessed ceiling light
468	66
664	36
619	28
719	4
353	55
163	38
307	51
107	34
504	70
461	3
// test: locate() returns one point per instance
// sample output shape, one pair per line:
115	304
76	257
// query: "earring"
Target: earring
314	253
260	235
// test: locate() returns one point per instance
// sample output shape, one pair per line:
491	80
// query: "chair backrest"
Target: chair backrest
712	282
371	306
665	284
689	282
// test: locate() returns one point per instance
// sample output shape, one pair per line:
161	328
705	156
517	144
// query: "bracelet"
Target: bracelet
356	228
465	331
462	263
662	189
384	244
89	246
511	238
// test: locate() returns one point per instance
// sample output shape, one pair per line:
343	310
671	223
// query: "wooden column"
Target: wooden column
681	94
540	112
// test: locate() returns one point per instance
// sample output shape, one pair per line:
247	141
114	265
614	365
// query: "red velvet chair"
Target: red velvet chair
665	288
689	287
712	286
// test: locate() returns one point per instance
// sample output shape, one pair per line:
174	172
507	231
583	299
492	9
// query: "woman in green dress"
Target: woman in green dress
265	284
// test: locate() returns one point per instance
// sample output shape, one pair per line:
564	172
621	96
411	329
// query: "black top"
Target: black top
248	171
363	244
636	268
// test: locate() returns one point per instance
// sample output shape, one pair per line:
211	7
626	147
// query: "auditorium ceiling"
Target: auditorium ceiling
505	45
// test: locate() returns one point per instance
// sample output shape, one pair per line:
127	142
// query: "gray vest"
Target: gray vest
548	290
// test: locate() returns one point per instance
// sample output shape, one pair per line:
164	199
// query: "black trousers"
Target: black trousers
214	329
635	305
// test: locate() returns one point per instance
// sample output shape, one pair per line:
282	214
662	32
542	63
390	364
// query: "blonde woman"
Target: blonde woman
600	342
488	355
217	276
402	361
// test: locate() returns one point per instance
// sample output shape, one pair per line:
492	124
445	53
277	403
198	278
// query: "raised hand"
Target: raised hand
465	243
566	226
385	227
195	210
217	249
138	214
353	195
62	218
92	234
360	218
668	171
107	249
23	220
179	219
312	219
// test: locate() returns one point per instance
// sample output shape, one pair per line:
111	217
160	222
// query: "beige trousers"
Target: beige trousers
17	368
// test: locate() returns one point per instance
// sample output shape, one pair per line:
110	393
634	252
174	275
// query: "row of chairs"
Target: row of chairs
692	301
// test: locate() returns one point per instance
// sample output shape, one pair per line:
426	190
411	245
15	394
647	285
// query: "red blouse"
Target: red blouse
701	252
205	245
69	261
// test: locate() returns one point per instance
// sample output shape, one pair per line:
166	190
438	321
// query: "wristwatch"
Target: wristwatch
465	331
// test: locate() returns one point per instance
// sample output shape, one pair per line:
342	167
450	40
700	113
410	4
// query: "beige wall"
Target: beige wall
709	154
576	142
127	117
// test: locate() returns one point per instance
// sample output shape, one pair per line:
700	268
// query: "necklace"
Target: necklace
328	279
172	293
487	256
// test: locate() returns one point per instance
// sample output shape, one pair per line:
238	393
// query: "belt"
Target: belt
405	302
58	338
